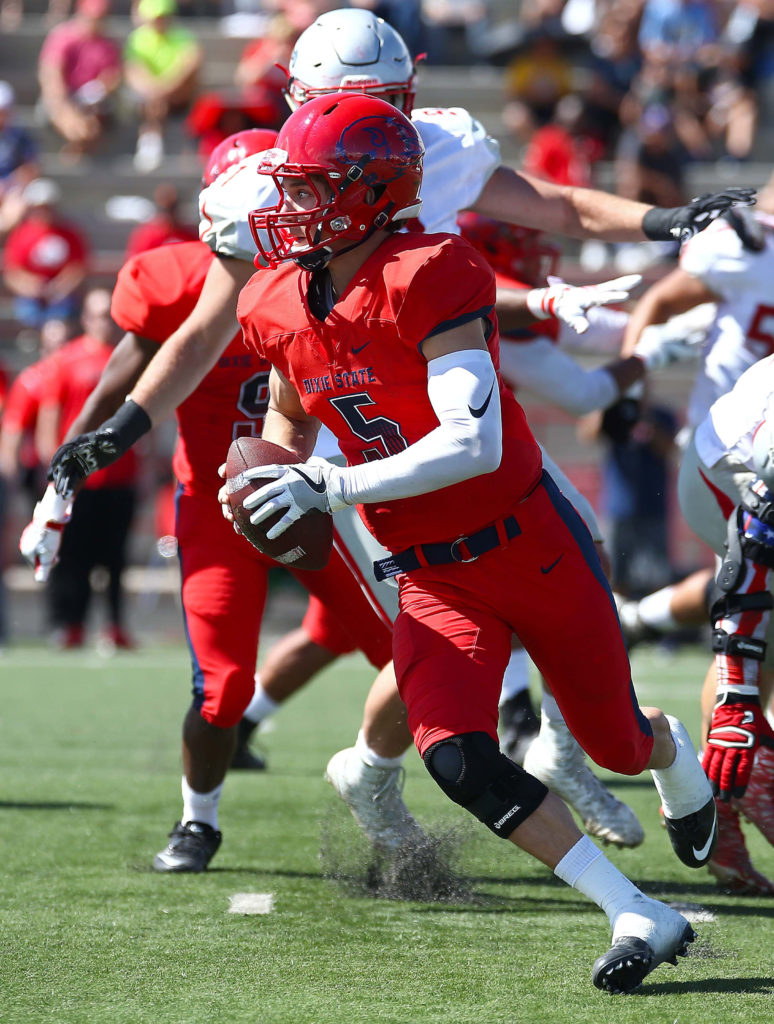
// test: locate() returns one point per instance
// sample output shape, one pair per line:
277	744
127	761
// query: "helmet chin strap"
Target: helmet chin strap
312	261
320	258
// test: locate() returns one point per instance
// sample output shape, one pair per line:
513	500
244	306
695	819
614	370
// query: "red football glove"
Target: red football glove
738	727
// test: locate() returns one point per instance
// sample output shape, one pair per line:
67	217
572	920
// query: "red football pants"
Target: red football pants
453	637
224	585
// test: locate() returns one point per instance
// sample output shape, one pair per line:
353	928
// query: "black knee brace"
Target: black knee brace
470	769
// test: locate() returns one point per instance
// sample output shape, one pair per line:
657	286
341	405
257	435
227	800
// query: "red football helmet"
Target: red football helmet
516	252
369	157
235	148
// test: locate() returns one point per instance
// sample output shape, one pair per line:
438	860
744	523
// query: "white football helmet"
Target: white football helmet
351	50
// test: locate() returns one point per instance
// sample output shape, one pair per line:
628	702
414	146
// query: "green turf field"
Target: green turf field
89	787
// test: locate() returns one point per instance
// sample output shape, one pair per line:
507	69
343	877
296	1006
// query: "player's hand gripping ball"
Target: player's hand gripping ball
307	543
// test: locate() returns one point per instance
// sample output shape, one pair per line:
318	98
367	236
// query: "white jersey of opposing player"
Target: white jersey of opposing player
459	159
743	331
728	428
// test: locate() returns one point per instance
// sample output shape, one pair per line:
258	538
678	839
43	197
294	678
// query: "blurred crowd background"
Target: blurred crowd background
108	109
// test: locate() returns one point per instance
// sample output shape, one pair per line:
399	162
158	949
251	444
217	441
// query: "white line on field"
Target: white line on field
251	903
694	912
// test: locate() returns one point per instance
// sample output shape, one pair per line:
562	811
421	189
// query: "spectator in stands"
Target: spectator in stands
678	30
258	62
564	150
257	99
79	72
18	162
535	81
45	259
650	162
98	532
615	60
162	64
165	227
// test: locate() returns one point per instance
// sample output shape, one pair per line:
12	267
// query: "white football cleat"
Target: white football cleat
557	759
646	934
374	796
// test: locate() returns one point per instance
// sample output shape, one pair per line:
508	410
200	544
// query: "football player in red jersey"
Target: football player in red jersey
391	341
467	170
224	580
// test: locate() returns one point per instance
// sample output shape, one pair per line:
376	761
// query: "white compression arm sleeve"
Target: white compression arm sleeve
555	376
463	391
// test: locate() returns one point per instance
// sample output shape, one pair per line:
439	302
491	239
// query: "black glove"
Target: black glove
751	232
683	222
76	459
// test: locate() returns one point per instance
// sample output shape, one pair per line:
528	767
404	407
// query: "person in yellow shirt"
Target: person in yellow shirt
535	80
161	66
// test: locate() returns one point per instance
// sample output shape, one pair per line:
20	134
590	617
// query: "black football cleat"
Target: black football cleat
695	836
519	725
243	758
624	966
191	848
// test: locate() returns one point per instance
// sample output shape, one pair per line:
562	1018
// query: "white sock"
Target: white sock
683	786
516	678
588	870
261	706
370	756
201	807
549	709
655	610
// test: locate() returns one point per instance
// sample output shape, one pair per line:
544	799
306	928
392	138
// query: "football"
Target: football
308	542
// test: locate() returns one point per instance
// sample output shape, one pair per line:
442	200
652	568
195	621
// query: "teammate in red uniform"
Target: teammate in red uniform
224	580
390	340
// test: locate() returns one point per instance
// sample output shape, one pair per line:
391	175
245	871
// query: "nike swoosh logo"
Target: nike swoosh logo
547	568
320	488
478	413
702	853
359	348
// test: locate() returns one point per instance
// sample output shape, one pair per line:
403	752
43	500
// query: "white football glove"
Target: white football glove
569	303
315	484
658	347
41	538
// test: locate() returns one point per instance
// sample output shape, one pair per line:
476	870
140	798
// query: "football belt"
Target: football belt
463	549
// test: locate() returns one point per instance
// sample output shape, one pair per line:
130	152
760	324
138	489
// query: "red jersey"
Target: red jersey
154	294
44	249
158	232
20	414
361	372
73	373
